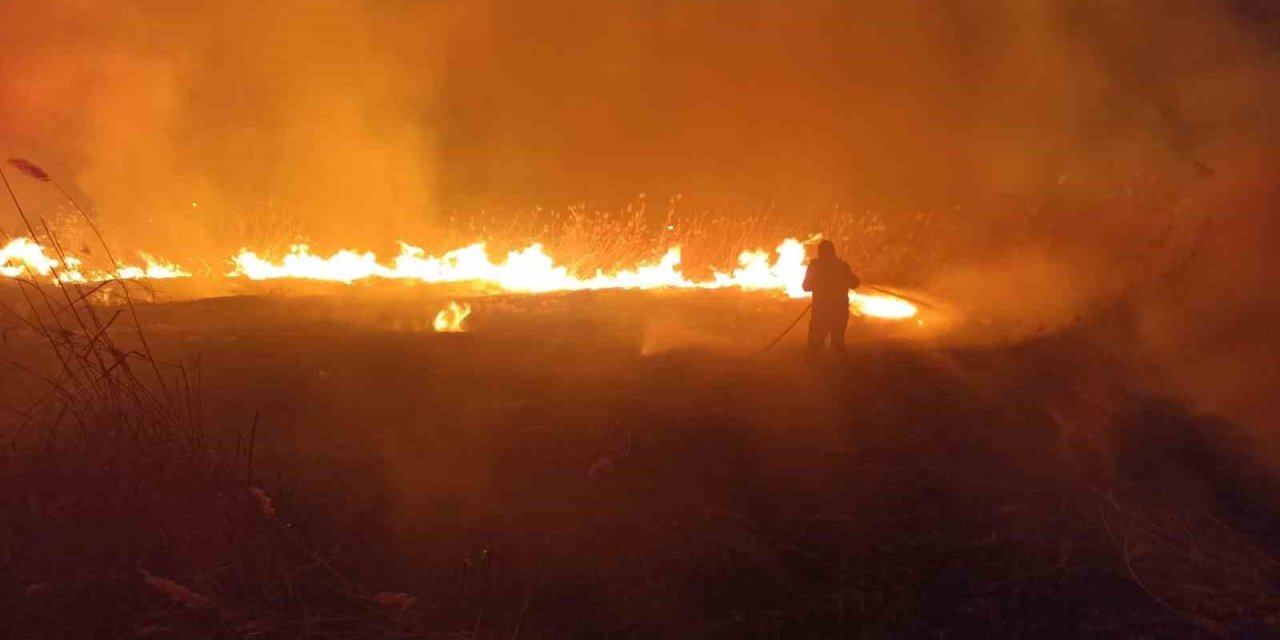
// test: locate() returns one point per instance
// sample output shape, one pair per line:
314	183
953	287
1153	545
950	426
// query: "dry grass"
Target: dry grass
1195	566
902	247
119	517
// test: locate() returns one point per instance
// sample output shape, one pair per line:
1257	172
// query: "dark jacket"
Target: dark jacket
830	280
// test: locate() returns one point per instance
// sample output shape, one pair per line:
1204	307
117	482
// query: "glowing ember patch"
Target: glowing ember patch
450	319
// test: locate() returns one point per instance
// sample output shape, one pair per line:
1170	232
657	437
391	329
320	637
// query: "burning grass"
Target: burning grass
599	239
903	249
529	270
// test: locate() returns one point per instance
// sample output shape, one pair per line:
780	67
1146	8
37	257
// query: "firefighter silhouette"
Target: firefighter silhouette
830	279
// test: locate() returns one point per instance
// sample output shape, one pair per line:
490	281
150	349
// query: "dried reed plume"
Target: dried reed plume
30	169
117	435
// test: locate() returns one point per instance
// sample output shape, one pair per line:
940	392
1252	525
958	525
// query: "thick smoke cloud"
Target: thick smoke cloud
1084	151
220	122
334	111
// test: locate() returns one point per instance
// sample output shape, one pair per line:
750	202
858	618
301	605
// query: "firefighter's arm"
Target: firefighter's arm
808	279
854	281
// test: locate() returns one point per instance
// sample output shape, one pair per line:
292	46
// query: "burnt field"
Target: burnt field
620	464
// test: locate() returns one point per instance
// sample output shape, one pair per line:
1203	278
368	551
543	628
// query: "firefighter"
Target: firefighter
830	279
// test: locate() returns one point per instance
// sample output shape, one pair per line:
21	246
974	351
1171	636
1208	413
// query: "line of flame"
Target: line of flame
23	257
529	270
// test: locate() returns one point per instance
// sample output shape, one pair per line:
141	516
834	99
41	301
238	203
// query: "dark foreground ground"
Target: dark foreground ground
621	466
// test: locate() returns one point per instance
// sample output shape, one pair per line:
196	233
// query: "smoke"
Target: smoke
1165	201
356	121
235	122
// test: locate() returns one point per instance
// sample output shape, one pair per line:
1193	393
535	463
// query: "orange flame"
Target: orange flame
23	257
450	319
529	270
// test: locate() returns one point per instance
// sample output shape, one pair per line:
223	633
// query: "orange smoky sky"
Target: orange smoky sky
392	112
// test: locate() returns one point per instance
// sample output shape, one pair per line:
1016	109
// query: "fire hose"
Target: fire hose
785	331
809	306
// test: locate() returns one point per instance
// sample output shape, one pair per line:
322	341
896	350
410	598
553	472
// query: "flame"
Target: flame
881	306
23	257
155	269
531	270
528	270
450	319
